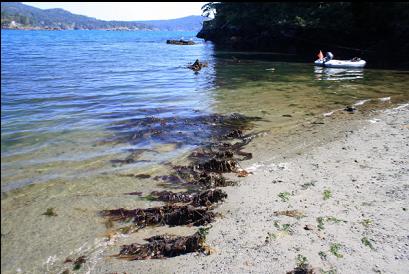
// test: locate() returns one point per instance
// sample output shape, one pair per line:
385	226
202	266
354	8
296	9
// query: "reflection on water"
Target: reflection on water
338	74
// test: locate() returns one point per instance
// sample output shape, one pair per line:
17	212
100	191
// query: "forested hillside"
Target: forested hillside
378	31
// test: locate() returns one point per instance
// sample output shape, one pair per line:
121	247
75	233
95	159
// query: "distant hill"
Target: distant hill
16	15
189	23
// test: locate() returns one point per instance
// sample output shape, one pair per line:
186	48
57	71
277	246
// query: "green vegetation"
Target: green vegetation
302	261
334	249
366	242
320	221
307	185
285	196
366	222
50	212
327	194
323	256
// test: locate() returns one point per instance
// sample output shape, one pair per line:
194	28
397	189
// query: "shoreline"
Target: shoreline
362	219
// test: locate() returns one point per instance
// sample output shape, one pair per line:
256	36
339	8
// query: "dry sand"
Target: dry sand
364	169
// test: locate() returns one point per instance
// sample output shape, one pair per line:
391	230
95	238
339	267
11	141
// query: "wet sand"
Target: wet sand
351	183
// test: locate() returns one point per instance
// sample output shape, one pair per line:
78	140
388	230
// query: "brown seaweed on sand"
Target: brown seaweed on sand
162	246
204	198
171	215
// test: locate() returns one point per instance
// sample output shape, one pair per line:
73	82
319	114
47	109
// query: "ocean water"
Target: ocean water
75	105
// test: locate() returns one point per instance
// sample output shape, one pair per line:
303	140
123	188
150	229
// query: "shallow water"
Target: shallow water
76	102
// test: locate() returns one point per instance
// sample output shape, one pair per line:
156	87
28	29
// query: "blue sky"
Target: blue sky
126	11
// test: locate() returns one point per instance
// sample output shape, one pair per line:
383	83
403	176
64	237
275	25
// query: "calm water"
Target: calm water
73	100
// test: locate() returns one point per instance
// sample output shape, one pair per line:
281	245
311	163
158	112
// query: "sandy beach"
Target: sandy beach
346	196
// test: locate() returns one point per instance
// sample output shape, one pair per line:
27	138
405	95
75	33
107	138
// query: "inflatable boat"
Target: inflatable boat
340	63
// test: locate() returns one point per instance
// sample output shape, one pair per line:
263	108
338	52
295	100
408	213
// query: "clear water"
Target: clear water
71	101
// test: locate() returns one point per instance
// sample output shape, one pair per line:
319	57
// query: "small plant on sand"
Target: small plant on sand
307	185
331	271
302	261
327	194
366	222
270	236
323	256
320	221
50	212
366	242
334	249
334	220
285	196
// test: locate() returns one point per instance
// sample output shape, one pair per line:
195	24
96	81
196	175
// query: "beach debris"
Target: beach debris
286	115
50	212
172	215
350	109
204	198
290	213
197	65
243	173
180	42
162	246
309	227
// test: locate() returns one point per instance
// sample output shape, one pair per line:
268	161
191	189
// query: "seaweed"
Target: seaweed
219	166
204	198
172	215
162	246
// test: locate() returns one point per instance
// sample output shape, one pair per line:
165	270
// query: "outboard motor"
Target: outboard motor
329	56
